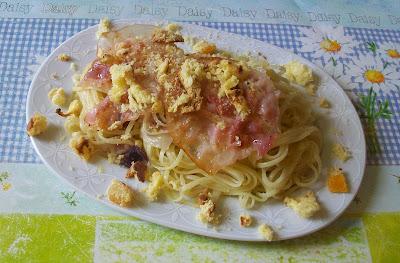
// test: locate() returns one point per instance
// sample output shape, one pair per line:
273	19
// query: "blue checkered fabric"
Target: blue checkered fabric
22	39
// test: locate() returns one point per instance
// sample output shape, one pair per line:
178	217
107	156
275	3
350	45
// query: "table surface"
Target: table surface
42	218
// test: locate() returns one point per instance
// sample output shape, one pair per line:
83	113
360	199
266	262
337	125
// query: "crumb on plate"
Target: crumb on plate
298	73
207	213
305	206
337	181
81	145
57	96
204	47
120	193
36	125
245	220
104	27
64	57
73	67
266	232
341	152
173	27
155	186
324	103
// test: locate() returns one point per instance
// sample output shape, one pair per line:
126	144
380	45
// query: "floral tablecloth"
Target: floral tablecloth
357	42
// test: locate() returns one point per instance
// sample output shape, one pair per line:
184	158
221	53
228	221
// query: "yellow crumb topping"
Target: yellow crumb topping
191	72
305	206
266	232
207	213
120	193
155	186
72	124
75	107
104	27
121	77
298	73
341	152
324	103
337	181
162	69
81	145
228	75
139	98
204	47
57	96
245	220
64	57
36	125
173	27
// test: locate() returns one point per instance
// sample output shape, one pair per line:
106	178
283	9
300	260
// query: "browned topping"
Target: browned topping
120	194
166	37
245	221
36	125
203	197
84	143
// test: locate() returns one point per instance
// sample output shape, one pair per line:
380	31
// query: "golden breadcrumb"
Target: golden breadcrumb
36	125
104	27
204	47
298	73
155	186
228	74
245	220
341	152
81	145
64	57
57	96
72	124
266	232
120	193
324	103
305	206
207	213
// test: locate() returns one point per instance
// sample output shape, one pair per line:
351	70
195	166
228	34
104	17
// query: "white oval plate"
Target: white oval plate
53	148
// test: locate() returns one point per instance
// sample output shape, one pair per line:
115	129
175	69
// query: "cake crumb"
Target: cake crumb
266	232
204	47
207	213
64	57
324	103
36	125
120	194
155	186
245	220
104	27
57	96
305	206
173	27
341	152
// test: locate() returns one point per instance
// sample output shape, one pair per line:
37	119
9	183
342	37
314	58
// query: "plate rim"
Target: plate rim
173	225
